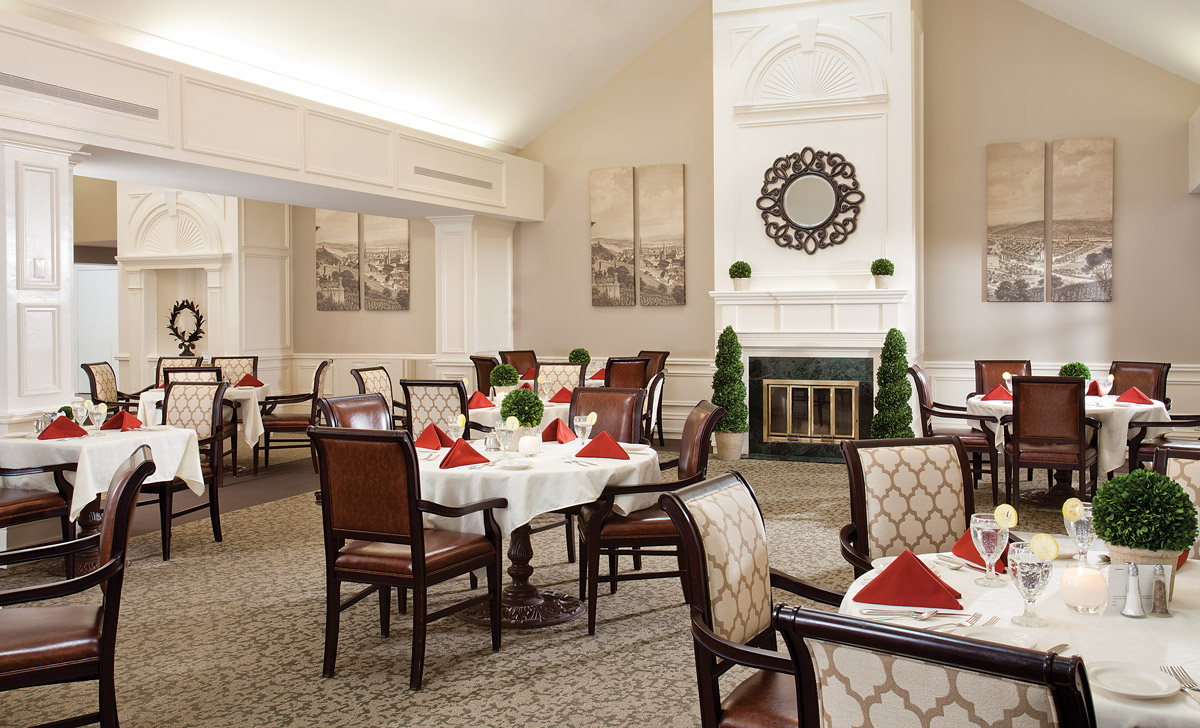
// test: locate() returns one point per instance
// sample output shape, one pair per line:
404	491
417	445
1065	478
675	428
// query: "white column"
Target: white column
473	268
37	330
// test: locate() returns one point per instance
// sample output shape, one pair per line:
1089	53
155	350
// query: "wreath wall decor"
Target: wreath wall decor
810	200
187	339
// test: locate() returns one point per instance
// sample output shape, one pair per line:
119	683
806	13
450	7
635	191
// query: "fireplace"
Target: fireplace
809	411
802	408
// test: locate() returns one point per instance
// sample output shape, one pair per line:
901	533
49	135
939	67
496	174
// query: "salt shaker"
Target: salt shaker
1158	607
1133	595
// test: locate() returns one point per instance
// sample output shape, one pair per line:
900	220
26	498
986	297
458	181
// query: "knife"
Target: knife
960	562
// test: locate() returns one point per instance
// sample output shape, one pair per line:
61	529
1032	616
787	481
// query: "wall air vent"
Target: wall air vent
79	97
447	176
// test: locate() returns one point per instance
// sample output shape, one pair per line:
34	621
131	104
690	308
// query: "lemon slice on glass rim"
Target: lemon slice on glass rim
512	423
1044	547
1072	509
462	420
1005	515
591	418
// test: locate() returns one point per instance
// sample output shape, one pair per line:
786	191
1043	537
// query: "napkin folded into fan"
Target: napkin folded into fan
1136	396
598	376
998	394
248	381
908	582
529	373
562	396
461	453
432	438
965	549
557	431
62	428
478	401
122	421
603	446
1093	389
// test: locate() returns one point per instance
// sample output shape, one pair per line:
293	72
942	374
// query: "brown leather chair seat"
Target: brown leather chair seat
1051	454
766	699
291	421
646	523
442	549
24	630
18	503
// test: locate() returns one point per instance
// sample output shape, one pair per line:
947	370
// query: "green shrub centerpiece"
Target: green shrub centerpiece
1075	369
740	269
729	391
579	356
882	267
893	417
1144	510
504	375
66	410
524	405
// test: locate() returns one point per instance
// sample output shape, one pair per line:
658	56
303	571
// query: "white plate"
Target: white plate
1132	681
515	464
999	636
634	446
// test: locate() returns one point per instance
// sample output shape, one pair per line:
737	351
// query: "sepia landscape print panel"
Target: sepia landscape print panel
337	261
662	279
1082	227
385	263
612	236
1016	222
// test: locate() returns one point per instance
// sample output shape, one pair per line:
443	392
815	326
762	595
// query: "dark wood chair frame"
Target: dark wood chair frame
1160	390
954	412
658	360
124	401
636	421
483	372
1012	466
1021	368
853	546
714	655
654	401
268	406
397	419
508	357
406	417
1140	453
420	581
1065	677
127	482
63	512
215	361
631	361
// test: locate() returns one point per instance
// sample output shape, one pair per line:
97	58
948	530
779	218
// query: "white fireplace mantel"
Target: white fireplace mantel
811	320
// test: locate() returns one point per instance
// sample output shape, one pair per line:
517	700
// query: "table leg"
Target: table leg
1060	490
88	523
523	605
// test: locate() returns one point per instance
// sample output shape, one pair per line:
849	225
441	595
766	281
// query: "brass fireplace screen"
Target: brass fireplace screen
809	411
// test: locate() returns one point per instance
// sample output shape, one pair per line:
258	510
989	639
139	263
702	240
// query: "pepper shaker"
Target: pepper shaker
1133	595
1158	607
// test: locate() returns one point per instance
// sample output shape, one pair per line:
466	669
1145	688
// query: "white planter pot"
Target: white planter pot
740	284
729	445
1124	555
499	394
882	282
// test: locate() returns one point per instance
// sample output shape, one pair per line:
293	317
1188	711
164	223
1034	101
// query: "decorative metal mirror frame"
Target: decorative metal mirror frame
840	223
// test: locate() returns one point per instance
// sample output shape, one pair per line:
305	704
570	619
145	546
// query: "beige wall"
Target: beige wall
657	110
1000	71
95	211
361	332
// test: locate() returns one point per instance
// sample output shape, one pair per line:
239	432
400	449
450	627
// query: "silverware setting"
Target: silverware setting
579	462
1059	648
970	621
918	614
488	464
956	563
1187	685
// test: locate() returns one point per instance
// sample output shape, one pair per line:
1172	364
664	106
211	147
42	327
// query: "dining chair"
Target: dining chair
483	372
65	643
977	438
195	406
522	359
191	374
990	372
602	532
571	376
436	401
1148	376
23	505
169	362
653	414
907	494
377	380
291	422
372	513
628	372
618	411
847	669
1181	432
233	368
658	360
102	383
727	583
1048	429
357	411
1182	464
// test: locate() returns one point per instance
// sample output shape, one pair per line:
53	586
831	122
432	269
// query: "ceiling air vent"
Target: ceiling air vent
447	176
79	97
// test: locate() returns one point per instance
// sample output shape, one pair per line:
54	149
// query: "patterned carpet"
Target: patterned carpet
230	634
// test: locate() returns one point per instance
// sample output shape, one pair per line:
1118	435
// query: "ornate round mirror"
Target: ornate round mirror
810	200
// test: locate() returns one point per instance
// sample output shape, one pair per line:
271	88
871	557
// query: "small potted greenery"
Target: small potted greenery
1075	369
527	407
729	391
739	273
504	379
883	270
1145	518
579	356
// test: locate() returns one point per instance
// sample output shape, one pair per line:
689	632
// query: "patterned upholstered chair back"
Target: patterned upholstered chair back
194	405
174	362
233	368
561	375
1182	464
103	381
373	380
910	494
433	401
851	673
191	374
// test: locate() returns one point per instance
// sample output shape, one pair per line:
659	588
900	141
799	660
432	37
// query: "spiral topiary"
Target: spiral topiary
504	375
1075	369
729	391
524	405
579	356
1144	510
893	416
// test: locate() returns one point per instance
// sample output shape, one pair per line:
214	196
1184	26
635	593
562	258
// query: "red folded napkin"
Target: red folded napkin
461	453
61	428
525	386
1093	389
248	381
1135	395
478	401
562	396
432	438
598	375
965	549
603	446
529	373
906	582
998	394
557	431
122	421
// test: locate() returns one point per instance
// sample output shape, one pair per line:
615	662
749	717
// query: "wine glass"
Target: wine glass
1030	575
1106	385
97	413
503	437
990	538
79	413
1081	532
582	428
454	430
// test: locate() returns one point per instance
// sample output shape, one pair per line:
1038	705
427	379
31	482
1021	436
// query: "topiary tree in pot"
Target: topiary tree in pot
504	378
729	391
893	415
883	270
1075	369
739	273
579	356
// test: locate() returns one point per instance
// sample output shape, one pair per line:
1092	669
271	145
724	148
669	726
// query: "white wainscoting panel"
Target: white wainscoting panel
37	227
215	122
39	355
335	146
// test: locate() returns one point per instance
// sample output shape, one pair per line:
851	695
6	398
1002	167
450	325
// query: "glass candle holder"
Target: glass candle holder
1083	589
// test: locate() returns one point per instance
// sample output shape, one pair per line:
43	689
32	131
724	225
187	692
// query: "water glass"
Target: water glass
454	430
990	539
582	428
1030	575
1081	532
97	413
504	436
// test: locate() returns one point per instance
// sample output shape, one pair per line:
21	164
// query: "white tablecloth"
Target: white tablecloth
175	450
549	485
1149	643
250	415
1114	420
489	416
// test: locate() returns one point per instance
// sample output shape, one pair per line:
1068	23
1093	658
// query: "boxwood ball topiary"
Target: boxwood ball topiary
1144	510
893	417
579	356
882	267
1075	369
729	391
740	269
524	405
504	375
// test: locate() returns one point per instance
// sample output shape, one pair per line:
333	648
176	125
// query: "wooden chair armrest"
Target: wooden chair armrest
939	405
438	509
1006	419
276	400
1175	421
64	588
668	464
958	415
49	551
1093	422
806	589
848	537
473	425
399	405
612	491
755	657
36	469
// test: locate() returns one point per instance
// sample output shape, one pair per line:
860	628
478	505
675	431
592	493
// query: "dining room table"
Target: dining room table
553	479
490	416
149	412
1123	655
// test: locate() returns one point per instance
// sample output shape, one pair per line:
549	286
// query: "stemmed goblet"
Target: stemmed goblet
1080	530
1030	574
990	538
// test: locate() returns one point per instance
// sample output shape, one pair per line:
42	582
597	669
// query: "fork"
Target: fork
968	622
1187	685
